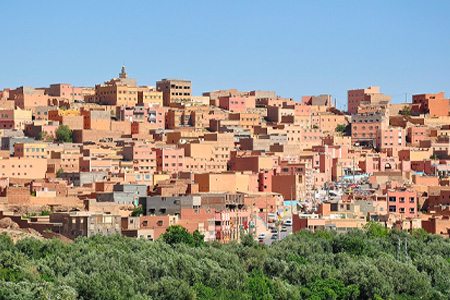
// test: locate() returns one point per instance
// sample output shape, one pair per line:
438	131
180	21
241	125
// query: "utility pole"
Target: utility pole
253	230
353	169
238	225
314	194
292	212
406	250
266	214
328	191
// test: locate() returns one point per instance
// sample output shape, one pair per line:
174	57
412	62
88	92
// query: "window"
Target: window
402	199
392	208
411	200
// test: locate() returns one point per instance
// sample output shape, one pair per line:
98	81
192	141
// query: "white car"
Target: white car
261	236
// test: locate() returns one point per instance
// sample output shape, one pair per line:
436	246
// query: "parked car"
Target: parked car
273	230
288	222
261	241
274	237
262	236
283	228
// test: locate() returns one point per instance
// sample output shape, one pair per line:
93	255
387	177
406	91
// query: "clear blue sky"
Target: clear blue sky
294	47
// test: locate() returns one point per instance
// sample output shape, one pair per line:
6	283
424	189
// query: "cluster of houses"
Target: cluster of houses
138	159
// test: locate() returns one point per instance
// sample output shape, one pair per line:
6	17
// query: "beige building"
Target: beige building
30	150
24	168
174	90
76	224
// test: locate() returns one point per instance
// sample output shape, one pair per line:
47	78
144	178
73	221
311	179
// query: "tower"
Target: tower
123	73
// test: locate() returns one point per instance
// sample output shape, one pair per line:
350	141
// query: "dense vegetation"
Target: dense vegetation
359	265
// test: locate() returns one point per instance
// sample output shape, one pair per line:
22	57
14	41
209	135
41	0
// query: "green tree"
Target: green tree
63	134
260	287
138	211
59	172
199	239
177	234
419	233
341	128
41	135
44	136
329	289
406	110
46	213
374	229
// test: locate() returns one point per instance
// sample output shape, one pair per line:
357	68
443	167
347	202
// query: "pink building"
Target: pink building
170	160
65	90
142	114
403	202
390	138
229	224
143	157
265	180
416	134
6	119
236	103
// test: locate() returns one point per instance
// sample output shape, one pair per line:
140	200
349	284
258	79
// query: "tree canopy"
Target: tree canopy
176	234
63	134
360	264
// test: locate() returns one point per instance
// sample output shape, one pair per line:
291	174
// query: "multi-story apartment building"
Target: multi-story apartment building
65	90
143	157
175	91
150	97
27	97
402	201
144	113
24	168
170	160
371	95
391	138
31	150
416	134
365	126
74	224
434	104
237	103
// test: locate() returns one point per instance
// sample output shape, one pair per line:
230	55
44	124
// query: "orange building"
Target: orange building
434	104
27	97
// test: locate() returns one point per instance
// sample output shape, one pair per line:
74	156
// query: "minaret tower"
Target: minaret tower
123	73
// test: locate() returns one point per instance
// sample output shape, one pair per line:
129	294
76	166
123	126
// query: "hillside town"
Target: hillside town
130	159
